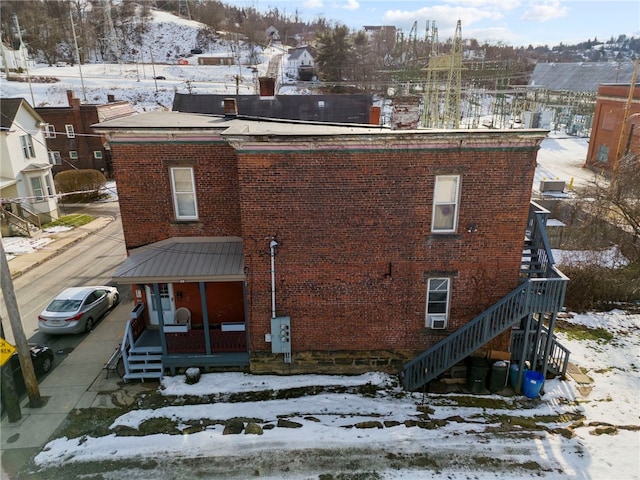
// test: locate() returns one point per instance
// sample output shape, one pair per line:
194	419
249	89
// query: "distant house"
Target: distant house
302	62
15	56
27	191
72	144
272	34
221	59
613	135
298	247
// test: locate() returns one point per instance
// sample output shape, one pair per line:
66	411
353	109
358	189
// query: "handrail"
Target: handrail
17	222
537	295
127	343
31	215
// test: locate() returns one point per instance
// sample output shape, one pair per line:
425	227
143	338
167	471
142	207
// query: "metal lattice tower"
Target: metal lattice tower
443	86
183	9
112	50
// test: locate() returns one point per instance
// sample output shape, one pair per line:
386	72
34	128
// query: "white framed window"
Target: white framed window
73	154
184	193
97	154
70	131
26	142
49	184
49	131
445	204
36	187
438	293
55	158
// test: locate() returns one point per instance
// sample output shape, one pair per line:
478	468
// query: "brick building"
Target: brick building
71	142
295	247
612	136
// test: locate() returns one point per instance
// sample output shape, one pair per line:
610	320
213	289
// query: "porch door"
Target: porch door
168	305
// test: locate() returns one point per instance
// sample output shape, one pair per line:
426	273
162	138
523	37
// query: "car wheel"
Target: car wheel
116	299
89	325
47	363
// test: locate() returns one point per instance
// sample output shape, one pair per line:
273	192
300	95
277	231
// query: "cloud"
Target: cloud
312	4
349	5
545	12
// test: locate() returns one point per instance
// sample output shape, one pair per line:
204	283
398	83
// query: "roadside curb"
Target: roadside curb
23	263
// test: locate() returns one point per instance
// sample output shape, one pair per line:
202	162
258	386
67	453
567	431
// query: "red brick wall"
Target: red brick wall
607	124
342	217
144	189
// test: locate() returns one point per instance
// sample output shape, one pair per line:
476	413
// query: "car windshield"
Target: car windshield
64	306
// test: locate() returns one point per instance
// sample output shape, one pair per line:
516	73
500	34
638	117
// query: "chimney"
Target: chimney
267	86
70	97
230	108
111	98
374	115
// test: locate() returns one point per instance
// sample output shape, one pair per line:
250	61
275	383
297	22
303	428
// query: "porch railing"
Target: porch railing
193	341
558	358
542	291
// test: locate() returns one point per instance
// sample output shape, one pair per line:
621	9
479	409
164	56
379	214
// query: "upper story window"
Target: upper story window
55	158
70	131
97	154
445	204
27	146
184	193
73	154
438	291
49	131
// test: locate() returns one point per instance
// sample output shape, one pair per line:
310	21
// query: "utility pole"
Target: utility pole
75	41
24	352
24	58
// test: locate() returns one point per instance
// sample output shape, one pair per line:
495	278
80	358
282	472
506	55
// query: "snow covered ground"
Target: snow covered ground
339	425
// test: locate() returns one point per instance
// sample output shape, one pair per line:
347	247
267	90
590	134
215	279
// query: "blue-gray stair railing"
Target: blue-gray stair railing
541	293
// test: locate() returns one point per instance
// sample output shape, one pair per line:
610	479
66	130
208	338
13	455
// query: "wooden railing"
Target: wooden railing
193	341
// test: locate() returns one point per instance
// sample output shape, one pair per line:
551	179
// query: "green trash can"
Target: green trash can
498	376
477	369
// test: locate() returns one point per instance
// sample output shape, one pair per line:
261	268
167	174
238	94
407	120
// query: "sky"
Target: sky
512	22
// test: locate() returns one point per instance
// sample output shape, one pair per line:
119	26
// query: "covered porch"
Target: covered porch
190	306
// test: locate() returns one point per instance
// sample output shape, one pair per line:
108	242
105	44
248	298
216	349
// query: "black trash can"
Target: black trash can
477	369
498	376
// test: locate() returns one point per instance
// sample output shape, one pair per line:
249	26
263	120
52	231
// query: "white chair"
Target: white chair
183	317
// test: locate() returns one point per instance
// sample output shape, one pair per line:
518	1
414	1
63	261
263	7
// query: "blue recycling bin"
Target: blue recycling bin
513	375
532	384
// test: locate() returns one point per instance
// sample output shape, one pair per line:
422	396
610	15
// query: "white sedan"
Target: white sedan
77	309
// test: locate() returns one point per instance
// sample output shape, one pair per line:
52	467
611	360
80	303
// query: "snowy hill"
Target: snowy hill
168	41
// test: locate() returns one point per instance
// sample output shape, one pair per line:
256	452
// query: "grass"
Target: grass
581	333
73	220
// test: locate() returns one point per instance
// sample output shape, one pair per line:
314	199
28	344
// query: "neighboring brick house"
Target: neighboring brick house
609	142
344	248
72	143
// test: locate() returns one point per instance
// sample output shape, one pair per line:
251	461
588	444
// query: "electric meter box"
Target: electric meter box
281	335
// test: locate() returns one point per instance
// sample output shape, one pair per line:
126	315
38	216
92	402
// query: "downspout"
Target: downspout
272	247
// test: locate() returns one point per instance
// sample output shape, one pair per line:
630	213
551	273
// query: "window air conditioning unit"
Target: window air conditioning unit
437	322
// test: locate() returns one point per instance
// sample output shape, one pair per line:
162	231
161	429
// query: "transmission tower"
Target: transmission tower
112	50
183	9
443	85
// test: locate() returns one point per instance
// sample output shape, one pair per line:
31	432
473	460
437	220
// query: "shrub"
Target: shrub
88	183
592	287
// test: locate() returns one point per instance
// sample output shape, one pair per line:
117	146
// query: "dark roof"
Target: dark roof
580	77
9	109
314	108
191	259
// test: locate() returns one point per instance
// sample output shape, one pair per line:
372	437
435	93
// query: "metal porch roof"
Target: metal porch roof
188	259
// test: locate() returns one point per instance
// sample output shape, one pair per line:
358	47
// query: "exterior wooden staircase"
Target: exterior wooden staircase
141	359
540	294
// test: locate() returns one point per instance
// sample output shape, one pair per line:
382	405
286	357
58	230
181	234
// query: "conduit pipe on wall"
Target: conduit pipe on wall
272	247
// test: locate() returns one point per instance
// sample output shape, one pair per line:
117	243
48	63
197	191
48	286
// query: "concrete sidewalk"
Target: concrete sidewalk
79	381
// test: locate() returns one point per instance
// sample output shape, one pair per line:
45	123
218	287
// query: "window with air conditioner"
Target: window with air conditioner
438	292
